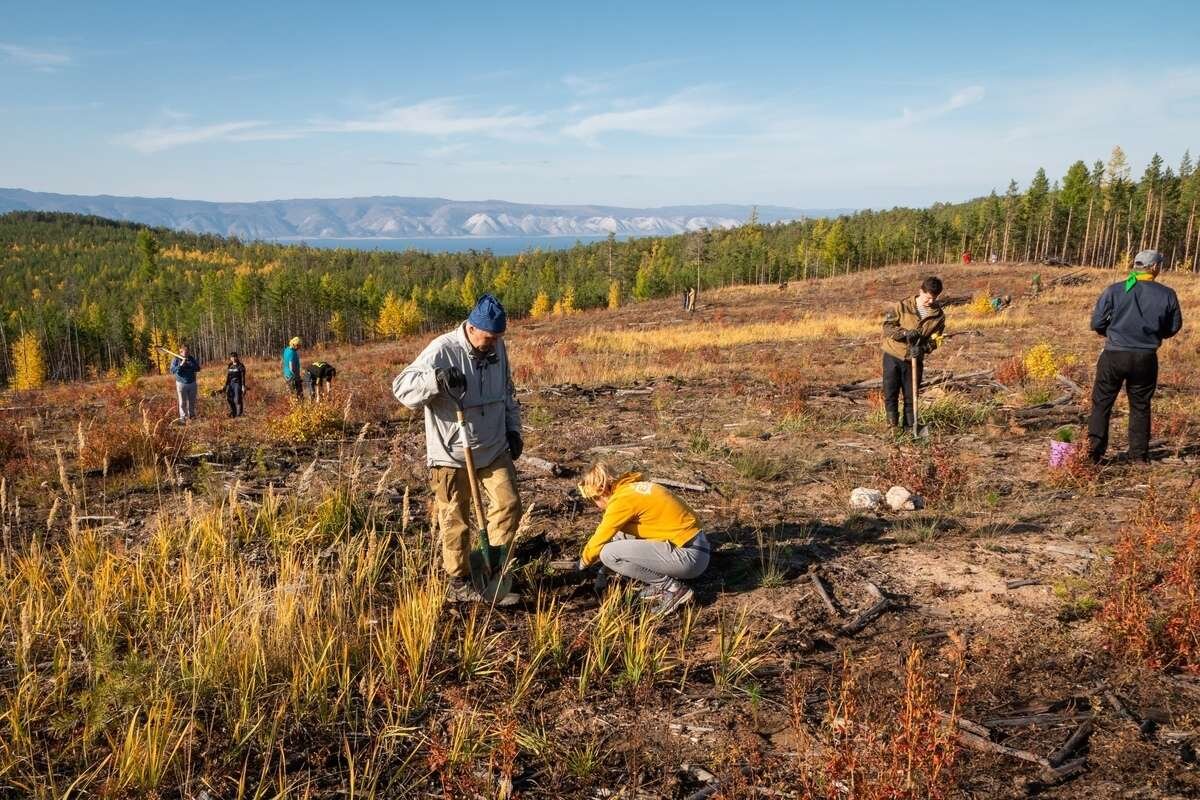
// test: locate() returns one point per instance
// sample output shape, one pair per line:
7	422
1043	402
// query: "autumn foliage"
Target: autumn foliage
1152	609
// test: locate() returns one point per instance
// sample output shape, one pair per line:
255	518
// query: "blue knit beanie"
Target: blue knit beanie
488	315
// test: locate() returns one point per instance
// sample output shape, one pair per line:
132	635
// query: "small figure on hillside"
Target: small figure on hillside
1000	302
966	257
235	385
320	377
911	330
184	367
992	259
291	367
1035	284
647	533
1133	316
468	365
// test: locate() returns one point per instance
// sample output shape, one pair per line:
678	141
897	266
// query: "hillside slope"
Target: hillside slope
261	581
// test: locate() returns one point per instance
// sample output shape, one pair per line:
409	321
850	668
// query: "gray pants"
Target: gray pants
656	563
187	399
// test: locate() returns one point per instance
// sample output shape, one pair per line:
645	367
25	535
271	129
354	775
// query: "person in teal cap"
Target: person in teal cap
1133	316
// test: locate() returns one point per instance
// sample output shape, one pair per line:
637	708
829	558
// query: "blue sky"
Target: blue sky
829	105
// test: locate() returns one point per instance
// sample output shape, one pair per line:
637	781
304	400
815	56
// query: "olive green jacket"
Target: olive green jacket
903	316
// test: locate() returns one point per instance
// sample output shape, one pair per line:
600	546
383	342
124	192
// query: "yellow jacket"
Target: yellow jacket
645	510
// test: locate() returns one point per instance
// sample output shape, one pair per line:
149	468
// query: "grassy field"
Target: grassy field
252	608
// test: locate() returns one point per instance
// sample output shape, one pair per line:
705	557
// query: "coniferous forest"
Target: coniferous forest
98	295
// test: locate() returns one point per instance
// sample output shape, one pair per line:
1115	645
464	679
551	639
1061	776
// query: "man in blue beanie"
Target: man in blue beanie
470	361
1133	316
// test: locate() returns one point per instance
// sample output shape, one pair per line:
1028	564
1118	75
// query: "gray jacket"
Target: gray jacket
490	404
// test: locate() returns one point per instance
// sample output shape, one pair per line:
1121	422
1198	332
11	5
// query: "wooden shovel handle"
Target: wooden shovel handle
471	474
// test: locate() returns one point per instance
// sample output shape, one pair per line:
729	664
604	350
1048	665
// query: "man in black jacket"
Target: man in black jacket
1133	316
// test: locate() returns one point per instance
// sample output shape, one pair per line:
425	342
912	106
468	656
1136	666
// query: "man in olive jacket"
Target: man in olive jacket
470	358
911	330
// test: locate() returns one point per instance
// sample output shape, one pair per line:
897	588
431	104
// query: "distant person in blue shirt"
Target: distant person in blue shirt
1133	316
291	367
184	367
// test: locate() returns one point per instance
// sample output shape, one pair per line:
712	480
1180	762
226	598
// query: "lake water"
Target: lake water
499	245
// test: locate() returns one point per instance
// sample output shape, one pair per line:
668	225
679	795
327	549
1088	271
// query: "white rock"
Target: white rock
867	499
901	499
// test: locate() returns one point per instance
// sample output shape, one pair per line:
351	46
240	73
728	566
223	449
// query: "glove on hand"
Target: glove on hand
515	445
912	337
450	381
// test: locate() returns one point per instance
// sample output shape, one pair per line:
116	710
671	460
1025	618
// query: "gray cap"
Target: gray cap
1148	258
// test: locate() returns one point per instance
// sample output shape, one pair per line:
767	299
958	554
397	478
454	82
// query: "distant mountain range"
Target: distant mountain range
400	217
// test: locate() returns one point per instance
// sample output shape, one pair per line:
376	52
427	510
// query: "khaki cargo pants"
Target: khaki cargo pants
452	491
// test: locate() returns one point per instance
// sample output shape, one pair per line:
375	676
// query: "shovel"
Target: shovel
489	564
918	432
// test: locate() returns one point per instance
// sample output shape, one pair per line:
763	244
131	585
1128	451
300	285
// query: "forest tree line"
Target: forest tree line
98	295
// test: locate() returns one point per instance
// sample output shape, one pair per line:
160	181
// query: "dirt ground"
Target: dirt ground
772	435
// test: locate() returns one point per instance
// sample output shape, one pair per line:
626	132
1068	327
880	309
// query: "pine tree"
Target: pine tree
398	317
147	251
338	327
29	367
469	291
541	306
566	304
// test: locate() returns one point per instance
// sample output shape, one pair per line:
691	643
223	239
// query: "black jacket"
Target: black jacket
1137	320
235	377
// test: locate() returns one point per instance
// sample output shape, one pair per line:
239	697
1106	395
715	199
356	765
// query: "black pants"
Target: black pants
1139	373
897	378
296	384
233	396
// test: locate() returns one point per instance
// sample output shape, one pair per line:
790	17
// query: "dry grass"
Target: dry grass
691	336
1152	606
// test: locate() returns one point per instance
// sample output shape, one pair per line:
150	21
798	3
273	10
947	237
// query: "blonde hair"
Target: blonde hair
598	481
295	341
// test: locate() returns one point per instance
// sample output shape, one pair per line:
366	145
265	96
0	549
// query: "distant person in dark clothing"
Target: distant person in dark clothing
1133	316
320	379
912	329
184	367
235	385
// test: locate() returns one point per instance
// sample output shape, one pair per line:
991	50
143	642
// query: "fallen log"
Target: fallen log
976	742
542	465
966	725
866	618
1036	720
687	487
1017	584
815	579
1077	740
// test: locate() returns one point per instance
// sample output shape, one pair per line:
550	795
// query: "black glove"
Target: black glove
450	381
515	445
912	337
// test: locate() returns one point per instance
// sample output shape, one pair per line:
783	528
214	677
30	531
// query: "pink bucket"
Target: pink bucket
1061	452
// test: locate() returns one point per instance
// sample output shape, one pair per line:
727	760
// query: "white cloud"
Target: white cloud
960	99
580	84
41	60
681	114
155	139
438	117
446	150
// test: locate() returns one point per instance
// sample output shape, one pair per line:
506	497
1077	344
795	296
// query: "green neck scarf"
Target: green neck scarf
1136	275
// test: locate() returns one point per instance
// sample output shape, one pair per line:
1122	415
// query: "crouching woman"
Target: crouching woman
647	534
